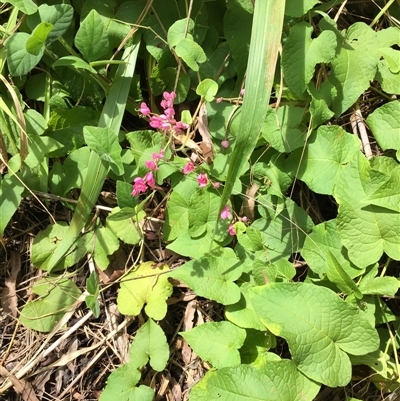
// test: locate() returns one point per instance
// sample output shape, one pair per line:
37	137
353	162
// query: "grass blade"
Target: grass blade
264	48
111	116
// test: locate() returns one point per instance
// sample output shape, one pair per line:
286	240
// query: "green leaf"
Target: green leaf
75	62
378	285
19	61
124	195
49	239
180	30
338	276
238	34
56	296
207	89
38	38
298	8
59	15
10	197
354	66
319	346
321	100
385	125
105	244
145	285
366	230
213	276
217	343
282	128
105	143
191	53
149	344
276	381
91	38
301	54
124	223
327	153
242	313
324	240
26	6
121	385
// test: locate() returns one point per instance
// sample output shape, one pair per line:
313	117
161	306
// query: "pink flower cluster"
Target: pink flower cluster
140	185
227	215
166	121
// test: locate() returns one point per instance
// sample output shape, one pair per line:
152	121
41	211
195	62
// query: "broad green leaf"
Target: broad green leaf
217	343
213	276
194	248
385	125
280	270
91	38
19	61
48	240
105	143
75	62
238	34
319	327
207	89
121	384
301	54
149	345
105	244
203	212
145	286
124	195
276	381
56	296
338	276
124	223
284	234
242	313
298	8
191	53
354	66
177	217
10	197
282	129
26	6
321	100
366	230
327	152
59	15
372	285
179	30
38	38
376	360
323	240
256	346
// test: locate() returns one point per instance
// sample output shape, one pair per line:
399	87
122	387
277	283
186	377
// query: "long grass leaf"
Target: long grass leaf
111	116
264	48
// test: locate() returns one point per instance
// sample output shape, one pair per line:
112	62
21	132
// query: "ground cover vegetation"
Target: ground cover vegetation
199	200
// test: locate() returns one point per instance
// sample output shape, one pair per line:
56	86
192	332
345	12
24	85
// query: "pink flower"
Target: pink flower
179	127
144	109
242	92
244	219
159	155
226	213
151	165
188	168
169	112
225	144
216	185
202	179
149	179
168	100
219	100
160	122
231	230
139	186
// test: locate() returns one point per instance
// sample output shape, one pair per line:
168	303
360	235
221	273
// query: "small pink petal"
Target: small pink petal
219	100
202	179
244	219
226	213
216	185
242	92
231	230
144	109
188	168
151	165
139	186
225	144
149	179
